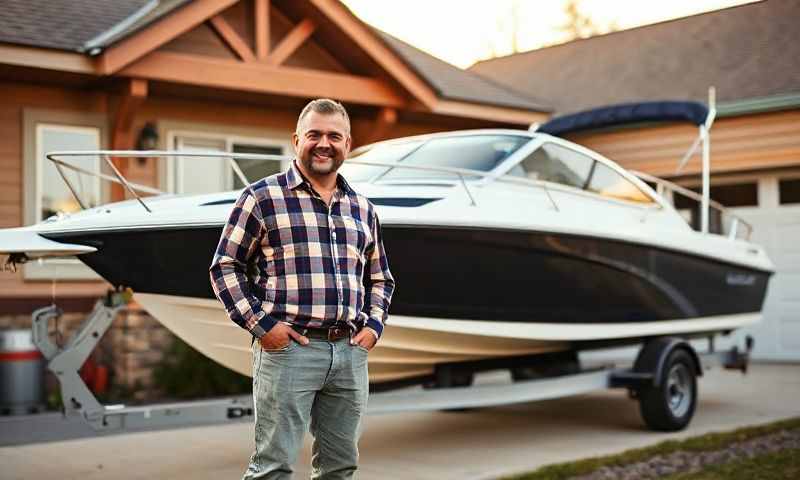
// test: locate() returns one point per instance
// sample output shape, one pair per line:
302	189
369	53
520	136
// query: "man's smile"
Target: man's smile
322	156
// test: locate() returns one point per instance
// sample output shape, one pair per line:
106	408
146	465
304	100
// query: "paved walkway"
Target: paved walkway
477	444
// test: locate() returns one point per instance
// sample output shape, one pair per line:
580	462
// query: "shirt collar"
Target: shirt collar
295	178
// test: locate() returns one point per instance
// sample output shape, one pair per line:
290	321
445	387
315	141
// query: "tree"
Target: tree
579	24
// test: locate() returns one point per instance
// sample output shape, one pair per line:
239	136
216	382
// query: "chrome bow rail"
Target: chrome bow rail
135	189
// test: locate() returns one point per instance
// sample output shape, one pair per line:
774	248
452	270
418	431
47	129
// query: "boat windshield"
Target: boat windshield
379	153
473	152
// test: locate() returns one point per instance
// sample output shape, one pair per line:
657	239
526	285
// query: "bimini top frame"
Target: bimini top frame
666	111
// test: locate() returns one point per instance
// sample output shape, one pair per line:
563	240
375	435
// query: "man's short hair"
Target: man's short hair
324	106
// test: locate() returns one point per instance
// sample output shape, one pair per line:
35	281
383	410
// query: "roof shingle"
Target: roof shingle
61	25
748	51
456	84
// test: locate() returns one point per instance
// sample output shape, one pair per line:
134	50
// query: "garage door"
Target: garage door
777	227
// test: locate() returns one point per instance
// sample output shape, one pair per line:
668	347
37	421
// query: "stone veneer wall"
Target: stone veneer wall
131	348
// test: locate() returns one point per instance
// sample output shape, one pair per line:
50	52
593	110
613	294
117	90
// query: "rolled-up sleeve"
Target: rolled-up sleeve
381	282
240	240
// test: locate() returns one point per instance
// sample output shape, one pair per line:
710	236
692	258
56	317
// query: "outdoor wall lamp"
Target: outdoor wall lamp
147	140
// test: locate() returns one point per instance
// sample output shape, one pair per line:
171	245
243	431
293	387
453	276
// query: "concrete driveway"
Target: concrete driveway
478	444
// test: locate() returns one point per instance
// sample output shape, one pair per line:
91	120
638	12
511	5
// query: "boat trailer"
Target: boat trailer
663	379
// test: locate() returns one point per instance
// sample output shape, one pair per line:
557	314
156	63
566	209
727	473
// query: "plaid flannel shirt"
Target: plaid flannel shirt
285	255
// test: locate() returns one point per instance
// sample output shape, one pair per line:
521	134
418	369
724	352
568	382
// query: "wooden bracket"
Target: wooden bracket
231	38
261	16
292	41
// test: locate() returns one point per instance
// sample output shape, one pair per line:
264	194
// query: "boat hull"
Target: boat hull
411	347
473	274
462	294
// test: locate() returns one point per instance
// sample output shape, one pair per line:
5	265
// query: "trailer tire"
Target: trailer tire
669	406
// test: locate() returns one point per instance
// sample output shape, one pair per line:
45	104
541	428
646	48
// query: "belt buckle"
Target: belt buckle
336	333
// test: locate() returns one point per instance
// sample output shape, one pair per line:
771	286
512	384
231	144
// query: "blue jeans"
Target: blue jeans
322	386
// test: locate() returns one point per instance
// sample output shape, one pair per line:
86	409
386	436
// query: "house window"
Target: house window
789	191
52	194
191	175
45	192
731	195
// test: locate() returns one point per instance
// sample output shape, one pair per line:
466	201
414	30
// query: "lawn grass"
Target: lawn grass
707	442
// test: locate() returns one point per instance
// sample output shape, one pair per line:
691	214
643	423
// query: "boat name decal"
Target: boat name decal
745	279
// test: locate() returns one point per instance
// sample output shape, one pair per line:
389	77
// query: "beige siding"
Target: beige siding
16	98
749	142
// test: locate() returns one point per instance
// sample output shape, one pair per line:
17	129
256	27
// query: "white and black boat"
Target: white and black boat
504	244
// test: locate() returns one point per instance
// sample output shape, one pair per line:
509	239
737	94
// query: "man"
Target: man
289	268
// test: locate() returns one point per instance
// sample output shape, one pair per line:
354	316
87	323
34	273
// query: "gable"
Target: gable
282	48
206	39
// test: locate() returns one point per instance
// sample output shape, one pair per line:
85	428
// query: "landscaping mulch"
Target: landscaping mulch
682	462
761	452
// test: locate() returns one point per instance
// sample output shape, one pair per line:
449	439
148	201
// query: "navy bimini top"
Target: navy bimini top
627	113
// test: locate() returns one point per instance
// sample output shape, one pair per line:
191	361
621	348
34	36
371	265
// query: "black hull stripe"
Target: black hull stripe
503	275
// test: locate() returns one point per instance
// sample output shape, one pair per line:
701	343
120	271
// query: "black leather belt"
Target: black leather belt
331	334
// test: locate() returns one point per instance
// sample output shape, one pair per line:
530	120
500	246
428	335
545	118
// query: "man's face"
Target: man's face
323	143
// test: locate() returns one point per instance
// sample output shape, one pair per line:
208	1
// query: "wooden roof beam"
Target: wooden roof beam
231	38
176	23
25	56
122	138
494	113
292	41
380	53
259	77
262	10
380	128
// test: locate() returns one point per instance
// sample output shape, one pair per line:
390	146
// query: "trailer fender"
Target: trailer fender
653	357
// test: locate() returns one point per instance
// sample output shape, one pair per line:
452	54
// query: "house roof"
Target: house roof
746	52
61	25
457	84
86	26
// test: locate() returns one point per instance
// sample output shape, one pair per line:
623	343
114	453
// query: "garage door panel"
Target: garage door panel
786	263
790	335
789	286
777	229
788	240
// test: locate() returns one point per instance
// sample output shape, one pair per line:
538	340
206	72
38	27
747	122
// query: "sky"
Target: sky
462	32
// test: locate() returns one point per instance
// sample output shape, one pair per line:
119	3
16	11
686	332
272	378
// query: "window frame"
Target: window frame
62	268
40	163
169	180
794	177
762	187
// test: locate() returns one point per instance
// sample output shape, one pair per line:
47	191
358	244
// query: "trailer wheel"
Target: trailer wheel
670	405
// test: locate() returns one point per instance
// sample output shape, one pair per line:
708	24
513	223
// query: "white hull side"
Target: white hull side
411	346
403	352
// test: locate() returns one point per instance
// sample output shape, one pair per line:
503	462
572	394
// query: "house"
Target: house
232	75
228	75
751	55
